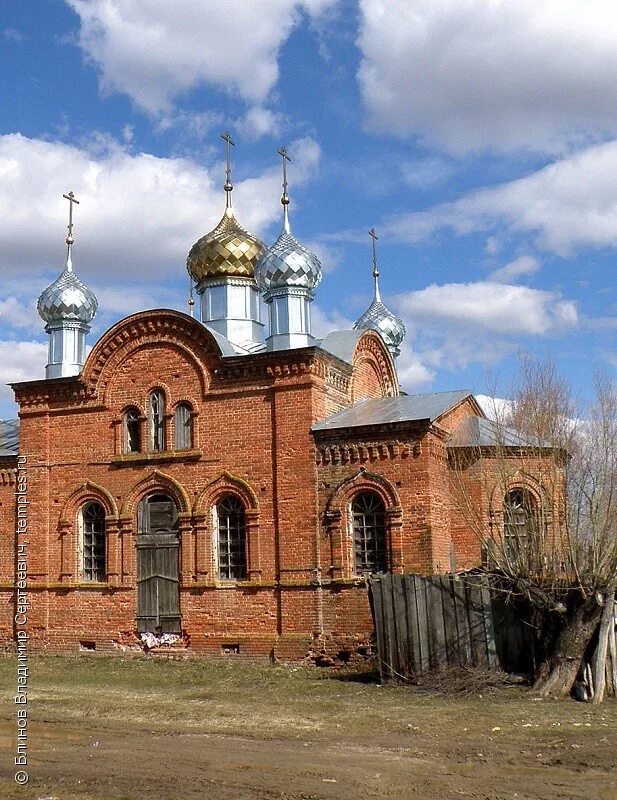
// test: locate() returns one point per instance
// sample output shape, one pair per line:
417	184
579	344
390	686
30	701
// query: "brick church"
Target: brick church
230	486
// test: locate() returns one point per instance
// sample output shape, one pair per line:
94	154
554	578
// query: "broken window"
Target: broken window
156	412
520	518
231	538
132	433
93	527
369	530
182	427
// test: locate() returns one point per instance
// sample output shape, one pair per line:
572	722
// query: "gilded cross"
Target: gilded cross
229	144
71	198
282	151
373	234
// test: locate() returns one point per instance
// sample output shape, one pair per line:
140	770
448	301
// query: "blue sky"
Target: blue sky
479	138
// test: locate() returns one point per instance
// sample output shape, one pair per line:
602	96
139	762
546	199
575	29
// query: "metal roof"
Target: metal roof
386	410
341	344
478	432
9	437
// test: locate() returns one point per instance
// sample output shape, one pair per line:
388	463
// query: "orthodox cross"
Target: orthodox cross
71	198
373	234
282	151
229	144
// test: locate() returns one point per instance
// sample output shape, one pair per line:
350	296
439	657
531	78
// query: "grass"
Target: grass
270	702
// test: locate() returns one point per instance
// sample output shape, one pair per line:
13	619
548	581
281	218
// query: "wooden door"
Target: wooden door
158	583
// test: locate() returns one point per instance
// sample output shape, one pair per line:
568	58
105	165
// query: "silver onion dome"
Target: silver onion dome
378	316
287	263
67	299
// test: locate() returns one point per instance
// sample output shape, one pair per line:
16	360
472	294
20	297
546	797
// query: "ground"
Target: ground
111	729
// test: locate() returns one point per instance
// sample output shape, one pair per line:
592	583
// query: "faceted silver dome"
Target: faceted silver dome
287	263
67	299
378	317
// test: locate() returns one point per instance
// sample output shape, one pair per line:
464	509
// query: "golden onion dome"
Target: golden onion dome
226	252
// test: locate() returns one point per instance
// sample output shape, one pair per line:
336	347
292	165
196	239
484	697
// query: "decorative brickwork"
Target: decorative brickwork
251	419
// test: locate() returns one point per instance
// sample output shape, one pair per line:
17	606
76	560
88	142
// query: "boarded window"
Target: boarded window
520	522
93	526
231	533
156	419
132	433
369	530
183	438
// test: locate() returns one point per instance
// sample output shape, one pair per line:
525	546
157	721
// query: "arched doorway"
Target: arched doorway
158	583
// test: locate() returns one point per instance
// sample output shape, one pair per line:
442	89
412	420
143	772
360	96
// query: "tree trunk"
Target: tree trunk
599	659
558	673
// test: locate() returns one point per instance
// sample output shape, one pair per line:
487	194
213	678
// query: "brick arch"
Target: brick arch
363	481
156	482
520	480
374	373
150	328
87	492
226	483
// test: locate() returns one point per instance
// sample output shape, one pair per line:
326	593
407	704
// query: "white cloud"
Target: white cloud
13	35
570	203
427	172
413	374
138	214
19	361
523	265
495	408
258	122
17	313
475	74
492	307
323	322
155	50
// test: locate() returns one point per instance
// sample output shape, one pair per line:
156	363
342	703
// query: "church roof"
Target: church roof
386	410
341	344
478	432
9	437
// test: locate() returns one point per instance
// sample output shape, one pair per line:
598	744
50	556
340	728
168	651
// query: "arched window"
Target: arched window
132	432
369	530
93	542
156	419
231	538
520	522
183	433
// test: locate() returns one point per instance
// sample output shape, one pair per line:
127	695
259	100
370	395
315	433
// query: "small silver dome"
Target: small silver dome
378	317
287	263
67	299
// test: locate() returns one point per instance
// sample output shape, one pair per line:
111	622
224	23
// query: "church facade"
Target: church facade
191	478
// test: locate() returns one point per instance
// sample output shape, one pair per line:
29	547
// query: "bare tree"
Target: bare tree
537	487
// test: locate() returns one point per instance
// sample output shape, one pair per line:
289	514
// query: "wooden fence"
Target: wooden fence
426	623
430	623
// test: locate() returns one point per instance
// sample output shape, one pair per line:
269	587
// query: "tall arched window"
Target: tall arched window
183	433
93	542
369	530
520	522
156	419
132	432
231	538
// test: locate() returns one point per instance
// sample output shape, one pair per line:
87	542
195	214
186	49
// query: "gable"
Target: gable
147	348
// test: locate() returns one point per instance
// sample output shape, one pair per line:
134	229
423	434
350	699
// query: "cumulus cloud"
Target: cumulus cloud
155	51
138	215
493	307
568	204
19	361
523	265
473	74
458	324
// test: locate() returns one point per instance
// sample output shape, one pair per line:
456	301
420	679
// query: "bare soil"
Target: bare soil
108	729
